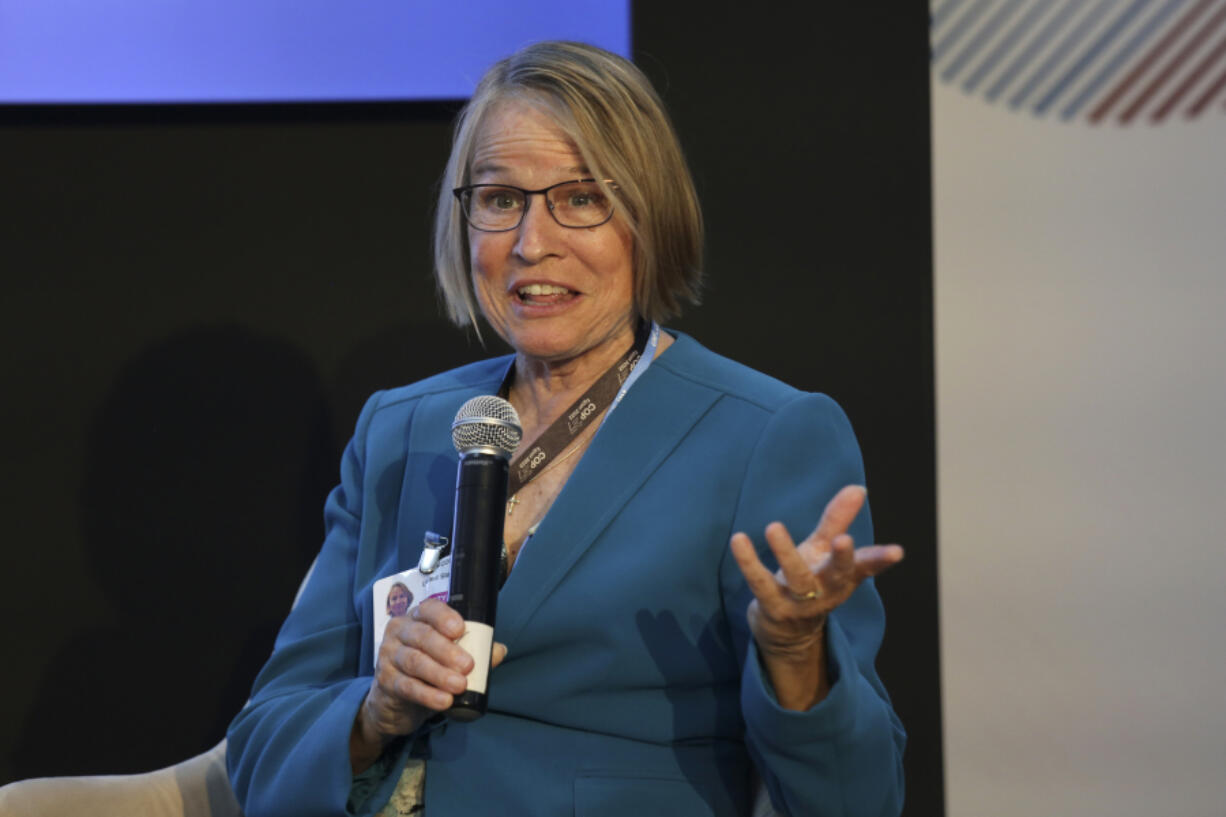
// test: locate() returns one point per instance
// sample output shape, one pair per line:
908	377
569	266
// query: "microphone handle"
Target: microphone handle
476	554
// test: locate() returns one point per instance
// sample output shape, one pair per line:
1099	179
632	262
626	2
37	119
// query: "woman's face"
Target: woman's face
554	293
397	602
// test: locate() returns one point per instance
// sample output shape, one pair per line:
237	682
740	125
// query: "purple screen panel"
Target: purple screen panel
169	51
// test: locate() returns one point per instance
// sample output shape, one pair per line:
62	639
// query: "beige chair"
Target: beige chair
197	787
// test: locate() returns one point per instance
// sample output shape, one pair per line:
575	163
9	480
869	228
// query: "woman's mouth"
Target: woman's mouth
543	294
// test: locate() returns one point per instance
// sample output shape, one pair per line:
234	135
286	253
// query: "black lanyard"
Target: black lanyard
558	437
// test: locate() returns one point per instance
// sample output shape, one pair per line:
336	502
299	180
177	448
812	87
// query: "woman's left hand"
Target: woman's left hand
788	614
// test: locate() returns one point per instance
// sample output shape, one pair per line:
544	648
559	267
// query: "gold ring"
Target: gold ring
810	596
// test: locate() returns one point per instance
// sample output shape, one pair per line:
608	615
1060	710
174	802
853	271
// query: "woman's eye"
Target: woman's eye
499	200
586	198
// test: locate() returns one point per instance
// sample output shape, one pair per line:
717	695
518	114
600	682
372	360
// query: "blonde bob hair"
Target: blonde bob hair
618	125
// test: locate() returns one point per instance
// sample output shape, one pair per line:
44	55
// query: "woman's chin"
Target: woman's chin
544	351
544	340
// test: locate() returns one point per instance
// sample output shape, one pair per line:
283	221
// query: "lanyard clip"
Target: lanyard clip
436	548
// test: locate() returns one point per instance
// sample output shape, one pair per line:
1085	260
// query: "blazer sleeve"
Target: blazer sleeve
288	749
843	756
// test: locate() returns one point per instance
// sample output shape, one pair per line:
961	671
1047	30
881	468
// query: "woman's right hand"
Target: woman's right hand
419	671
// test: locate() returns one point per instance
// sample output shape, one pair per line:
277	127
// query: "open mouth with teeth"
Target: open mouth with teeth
544	294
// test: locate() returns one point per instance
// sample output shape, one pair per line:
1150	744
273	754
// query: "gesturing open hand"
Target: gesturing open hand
790	606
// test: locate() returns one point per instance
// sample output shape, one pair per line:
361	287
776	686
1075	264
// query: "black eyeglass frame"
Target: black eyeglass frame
460	192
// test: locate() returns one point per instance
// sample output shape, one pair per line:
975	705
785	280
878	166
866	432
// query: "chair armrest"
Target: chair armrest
197	787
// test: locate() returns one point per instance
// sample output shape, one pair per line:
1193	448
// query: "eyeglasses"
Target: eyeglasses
496	208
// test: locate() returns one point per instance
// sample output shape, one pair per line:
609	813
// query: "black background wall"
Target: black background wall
197	301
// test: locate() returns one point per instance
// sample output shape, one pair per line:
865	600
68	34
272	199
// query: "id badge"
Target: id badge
400	593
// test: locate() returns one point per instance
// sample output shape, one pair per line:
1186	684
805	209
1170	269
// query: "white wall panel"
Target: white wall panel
1081	380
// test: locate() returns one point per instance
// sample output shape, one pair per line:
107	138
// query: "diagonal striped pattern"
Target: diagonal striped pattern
1096	61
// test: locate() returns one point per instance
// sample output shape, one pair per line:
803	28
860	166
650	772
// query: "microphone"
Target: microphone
486	433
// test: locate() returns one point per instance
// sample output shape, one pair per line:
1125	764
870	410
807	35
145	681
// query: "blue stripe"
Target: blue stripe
1124	53
1033	48
980	39
942	14
1076	35
1070	76
964	22
1008	41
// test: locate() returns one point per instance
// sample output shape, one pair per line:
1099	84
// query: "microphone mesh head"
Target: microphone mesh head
487	422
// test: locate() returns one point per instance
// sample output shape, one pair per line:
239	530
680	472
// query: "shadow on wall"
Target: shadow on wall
200	509
396	355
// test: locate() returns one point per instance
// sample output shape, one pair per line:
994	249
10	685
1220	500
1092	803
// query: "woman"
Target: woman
648	651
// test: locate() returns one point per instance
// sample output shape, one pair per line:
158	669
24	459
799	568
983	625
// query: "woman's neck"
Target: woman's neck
543	389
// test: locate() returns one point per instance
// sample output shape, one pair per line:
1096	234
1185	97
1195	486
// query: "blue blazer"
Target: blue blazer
630	685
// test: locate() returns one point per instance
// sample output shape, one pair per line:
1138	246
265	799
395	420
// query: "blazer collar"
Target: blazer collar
427	490
657	412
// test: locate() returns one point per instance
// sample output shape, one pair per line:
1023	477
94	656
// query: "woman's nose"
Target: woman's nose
538	231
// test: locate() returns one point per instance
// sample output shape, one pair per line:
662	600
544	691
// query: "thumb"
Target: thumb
499	653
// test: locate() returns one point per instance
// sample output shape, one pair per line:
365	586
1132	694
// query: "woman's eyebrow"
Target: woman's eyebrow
486	168
491	169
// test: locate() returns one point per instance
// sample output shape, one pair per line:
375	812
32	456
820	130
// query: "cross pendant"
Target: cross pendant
511	503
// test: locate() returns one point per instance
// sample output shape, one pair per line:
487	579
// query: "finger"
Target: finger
874	559
396	689
842	555
441	617
446	623
849	567
840	512
420	635
761	581
500	652
416	691
797	573
837	575
437	671
442	649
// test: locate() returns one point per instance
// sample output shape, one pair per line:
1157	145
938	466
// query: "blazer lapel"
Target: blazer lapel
642	431
427	493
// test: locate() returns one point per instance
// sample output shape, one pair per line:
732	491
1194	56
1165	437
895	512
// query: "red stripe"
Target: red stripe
1184	53
1141	67
1204	99
1192	78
